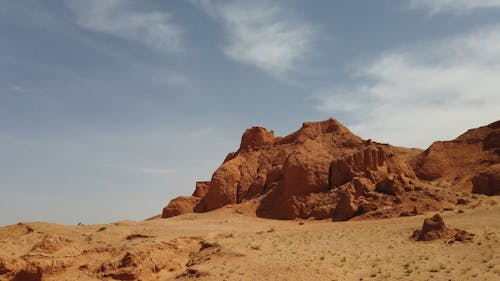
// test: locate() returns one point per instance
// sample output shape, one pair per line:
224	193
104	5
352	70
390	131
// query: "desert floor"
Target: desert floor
238	246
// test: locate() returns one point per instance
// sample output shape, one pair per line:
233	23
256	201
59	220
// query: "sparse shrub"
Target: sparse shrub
102	228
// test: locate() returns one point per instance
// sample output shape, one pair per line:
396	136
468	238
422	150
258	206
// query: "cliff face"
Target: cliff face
467	163
325	171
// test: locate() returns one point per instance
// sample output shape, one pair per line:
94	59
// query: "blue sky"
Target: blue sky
110	108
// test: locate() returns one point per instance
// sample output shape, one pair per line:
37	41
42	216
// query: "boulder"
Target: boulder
391	185
346	208
365	207
180	205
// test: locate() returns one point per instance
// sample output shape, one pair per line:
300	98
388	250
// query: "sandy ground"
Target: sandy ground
242	247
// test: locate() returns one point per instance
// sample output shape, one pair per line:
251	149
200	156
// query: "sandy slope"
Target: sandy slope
242	247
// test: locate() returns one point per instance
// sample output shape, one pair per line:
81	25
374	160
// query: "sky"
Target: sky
110	108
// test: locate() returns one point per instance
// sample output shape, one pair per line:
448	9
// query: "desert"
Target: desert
237	140
353	210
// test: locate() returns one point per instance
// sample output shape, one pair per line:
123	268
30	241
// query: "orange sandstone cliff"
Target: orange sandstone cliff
325	171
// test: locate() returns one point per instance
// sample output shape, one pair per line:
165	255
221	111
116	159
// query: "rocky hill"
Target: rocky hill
322	171
325	171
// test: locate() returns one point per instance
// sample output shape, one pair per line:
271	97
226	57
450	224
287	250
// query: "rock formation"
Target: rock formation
179	206
455	163
434	228
487	181
325	171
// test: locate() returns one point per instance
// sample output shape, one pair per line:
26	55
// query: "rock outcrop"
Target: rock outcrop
201	189
186	204
487	181
180	205
434	228
455	163
325	171
79	252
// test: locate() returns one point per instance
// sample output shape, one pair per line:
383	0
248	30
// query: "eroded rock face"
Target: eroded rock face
456	162
291	167
393	185
201	189
324	171
256	137
297	176
361	162
487	182
180	205
346	208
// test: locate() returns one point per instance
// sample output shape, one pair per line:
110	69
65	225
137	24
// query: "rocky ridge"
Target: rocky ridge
325	171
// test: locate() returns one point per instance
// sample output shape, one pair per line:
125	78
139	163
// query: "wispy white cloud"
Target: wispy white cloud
262	34
23	90
416	94
116	17
438	6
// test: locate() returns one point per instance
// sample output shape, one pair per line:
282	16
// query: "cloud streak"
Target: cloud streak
262	35
415	94
439	6
115	17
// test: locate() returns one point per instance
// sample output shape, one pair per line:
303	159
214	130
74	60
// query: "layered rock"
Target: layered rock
455	163
325	171
291	166
487	181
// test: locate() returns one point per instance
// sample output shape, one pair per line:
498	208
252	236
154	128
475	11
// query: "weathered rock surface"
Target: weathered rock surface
434	228
201	188
325	171
454	163
180	205
81	253
487	182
